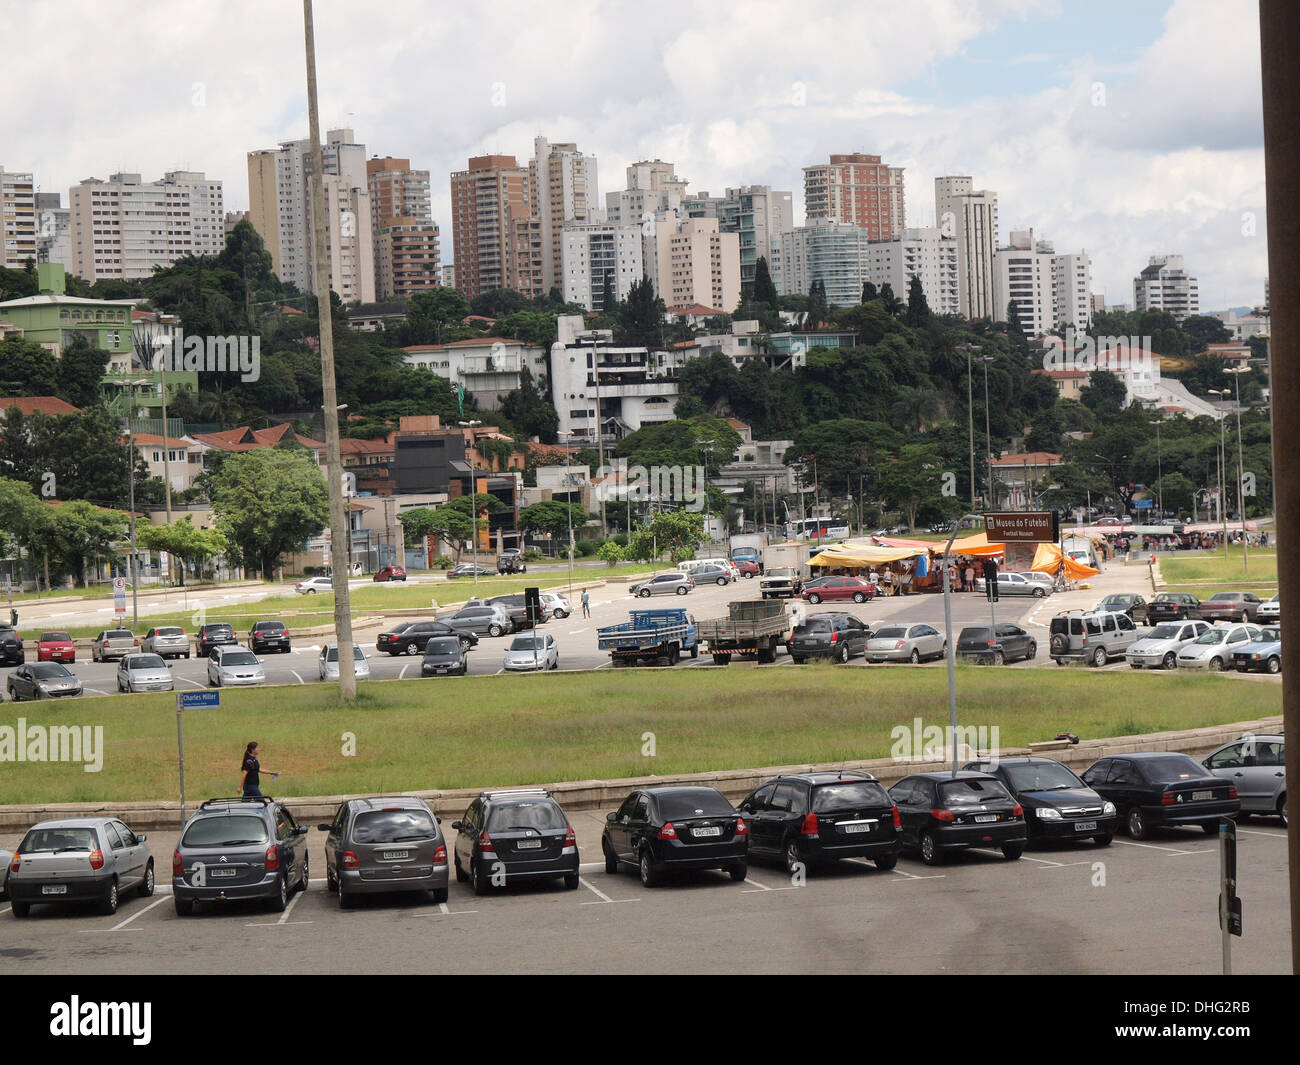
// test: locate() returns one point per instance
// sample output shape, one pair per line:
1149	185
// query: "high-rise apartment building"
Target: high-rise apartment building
1165	285
124	227
971	218
562	191
1049	290
601	255
17	219
692	263
53	230
759	215
484	200
280	209
859	189
405	236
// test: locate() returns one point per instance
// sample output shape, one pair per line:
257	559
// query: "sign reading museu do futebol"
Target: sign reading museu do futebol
1023	526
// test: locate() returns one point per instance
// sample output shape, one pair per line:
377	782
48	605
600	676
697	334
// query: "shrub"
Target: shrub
621	539
610	553
583	548
442	562
533	555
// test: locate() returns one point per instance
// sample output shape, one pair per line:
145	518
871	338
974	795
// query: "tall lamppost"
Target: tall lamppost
988	437
594	338
1236	372
970	415
1223	471
473	497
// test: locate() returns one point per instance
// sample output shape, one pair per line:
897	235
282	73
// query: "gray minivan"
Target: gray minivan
382	845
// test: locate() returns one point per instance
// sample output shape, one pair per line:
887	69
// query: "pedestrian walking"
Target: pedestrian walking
969	577
250	772
586	603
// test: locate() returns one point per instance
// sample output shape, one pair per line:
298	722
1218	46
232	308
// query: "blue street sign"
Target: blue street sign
198	700
1143	504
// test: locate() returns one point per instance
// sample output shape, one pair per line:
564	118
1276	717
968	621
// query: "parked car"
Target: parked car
1264	654
840	589
55	647
1159	648
511	560
315	586
532	651
812	819
1173	606
85	859
1231	606
948	811
237	849
328	662
444	655
1010	643
906	643
1084	636
1047	581
113	643
829	635
42	680
1214	648
657	830
166	641
1256	767
1154	789
491	620
410	637
11	647
390	573
1135	606
559	606
469	569
381	845
712	575
233	666
1015	584
215	634
270	636
747	568
1057	804
1270	611
144	673
664	584
6	858
516	607
514	834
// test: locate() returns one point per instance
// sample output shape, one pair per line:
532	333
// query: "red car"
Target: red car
391	573
837	588
747	569
56	647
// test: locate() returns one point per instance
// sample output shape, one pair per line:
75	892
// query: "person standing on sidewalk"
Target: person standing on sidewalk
586	603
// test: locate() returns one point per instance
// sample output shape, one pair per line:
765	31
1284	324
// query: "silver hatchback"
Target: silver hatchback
383	845
92	859
664	584
168	641
144	673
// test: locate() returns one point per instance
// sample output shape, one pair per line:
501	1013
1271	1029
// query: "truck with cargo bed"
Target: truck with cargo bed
661	635
752	629
785	568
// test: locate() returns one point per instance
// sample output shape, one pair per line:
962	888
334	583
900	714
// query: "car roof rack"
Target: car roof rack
234	800
512	793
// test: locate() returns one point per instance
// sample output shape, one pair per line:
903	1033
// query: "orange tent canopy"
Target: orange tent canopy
976	546
1048	559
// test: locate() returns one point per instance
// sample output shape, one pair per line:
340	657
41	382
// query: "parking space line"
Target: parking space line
757	884
600	894
402	675
1253	832
295	673
913	876
1040	861
141	913
1152	847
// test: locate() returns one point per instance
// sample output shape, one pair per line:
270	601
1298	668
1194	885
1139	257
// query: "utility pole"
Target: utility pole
339	553
1236	372
135	602
473	497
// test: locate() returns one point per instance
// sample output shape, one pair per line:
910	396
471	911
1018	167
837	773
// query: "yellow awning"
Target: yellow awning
862	556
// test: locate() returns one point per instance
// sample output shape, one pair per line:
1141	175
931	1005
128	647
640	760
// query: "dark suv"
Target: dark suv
411	637
11	647
511	560
384	845
216	634
811	818
243	848
520	834
269	636
834	635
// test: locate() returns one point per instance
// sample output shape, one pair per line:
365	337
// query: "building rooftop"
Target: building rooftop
45	404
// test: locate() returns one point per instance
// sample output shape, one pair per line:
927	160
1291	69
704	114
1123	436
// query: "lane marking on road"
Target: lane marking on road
402	675
295	673
284	917
141	913
1040	861
443	911
275	924
187	680
913	876
1254	832
599	894
1152	847
97	691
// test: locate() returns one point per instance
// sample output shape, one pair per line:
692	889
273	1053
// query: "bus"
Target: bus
816	529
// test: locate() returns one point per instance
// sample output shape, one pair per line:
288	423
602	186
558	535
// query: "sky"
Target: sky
1124	129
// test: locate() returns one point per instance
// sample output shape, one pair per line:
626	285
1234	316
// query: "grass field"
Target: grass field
1205	572
454	732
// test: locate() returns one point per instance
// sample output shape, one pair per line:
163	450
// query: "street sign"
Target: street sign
1023	527
1143	504
198	700
119	595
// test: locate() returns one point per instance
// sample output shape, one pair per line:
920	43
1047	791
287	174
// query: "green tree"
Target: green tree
610	553
918	310
26	368
640	317
913	478
673	532
869	293
434	316
22	515
764	289
182	539
1204	329
81	369
552	518
77	535
819	311
893	305
1104	394
527	409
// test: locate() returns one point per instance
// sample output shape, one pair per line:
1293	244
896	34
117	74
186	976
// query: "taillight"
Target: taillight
485	844
1232	791
742	829
668	832
1017	810
898	819
1167	799
943	815
570	837
809	826
898	645
97	859
136	642
178	863
349	860
835	637
13	866
273	857
440	855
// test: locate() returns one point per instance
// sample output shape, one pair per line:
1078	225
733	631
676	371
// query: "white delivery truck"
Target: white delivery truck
785	568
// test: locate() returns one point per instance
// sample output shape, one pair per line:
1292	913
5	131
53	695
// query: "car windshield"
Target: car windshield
444	645
1269	635
1042	776
239	658
48	670
528	642
58	839
845	793
1213	636
393	826
332	653
521	815
1164	632
145	662
225	831
50	637
1171	767
891	632
970	792
973	634
694	804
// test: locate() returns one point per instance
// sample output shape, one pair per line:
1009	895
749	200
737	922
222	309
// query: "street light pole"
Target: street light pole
988	437
473	499
1223	472
970	418
1236	372
130	443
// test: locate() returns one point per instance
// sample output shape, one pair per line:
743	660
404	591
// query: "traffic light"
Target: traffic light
991	580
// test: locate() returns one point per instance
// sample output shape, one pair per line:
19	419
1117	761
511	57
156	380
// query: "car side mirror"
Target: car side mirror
456	825
324	828
301	830
141	837
438	819
611	818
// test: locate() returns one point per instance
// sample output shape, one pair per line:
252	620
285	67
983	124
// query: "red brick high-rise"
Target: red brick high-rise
859	189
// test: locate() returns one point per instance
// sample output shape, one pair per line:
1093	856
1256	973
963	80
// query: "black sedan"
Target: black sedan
270	636
954	811
1057	804
1012	642
444	655
411	637
1173	606
658	830
833	635
1162	789
809	819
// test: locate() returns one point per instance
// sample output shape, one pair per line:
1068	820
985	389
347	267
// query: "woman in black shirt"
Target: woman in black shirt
249	778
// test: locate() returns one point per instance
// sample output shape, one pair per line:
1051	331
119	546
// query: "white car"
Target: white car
144	673
1213	648
312	585
1270	611
532	651
329	662
559	605
234	665
1159	648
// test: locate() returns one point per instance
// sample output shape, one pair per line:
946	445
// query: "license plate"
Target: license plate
981	819
706	831
54	889
1201	796
218	873
529	844
1085	826
394	856
858	826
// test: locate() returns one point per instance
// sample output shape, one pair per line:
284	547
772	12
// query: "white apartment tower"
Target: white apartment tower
597	253
17	219
691	263
925	253
562	191
1164	285
971	218
1049	290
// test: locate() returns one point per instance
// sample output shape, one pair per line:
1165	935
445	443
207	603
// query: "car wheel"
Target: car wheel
108	906
886	862
814	598
1170	661
280	899
1102	841
1039	593
302	884
683	590
1032	653
695	651
1216	665
184	907
147	885
330	886
999	658
722	582
799	660
644	593
790	855
1281	808
858	597
1099	657
1136	824
1245	617
914	657
346	898
412	648
843	656
649	878
476	881
494	630
1273	665
571	881
930	852
461	875
1012	851
739	871
1210	828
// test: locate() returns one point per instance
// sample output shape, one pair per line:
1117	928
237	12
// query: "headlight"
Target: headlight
1108	808
1046	813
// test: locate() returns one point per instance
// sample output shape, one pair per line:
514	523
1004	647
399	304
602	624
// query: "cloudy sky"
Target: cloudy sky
1123	127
